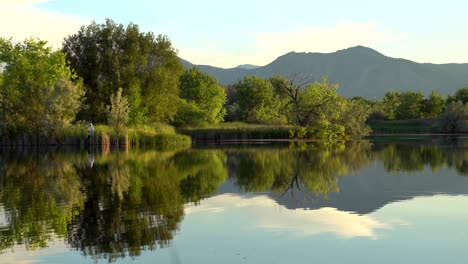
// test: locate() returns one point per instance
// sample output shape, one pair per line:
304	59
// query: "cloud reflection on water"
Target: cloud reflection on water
267	213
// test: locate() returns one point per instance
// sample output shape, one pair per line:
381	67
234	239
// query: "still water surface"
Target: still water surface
383	201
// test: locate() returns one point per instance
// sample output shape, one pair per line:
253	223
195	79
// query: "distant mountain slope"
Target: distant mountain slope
247	66
359	71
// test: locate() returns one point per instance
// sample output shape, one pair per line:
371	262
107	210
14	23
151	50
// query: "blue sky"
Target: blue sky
228	33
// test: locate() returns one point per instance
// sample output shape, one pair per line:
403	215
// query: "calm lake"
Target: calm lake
388	200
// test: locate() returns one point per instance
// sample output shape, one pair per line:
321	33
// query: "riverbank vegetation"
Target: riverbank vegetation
129	80
411	112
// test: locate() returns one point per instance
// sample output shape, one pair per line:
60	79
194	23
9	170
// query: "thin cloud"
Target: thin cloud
24	19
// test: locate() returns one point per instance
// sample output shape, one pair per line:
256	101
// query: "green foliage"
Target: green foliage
455	118
410	105
257	101
37	95
354	119
391	102
319	108
118	112
410	126
460	95
238	131
189	115
205	93
434	105
108	56
63	103
316	108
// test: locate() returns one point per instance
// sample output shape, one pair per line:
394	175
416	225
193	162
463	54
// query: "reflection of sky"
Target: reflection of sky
266	213
255	229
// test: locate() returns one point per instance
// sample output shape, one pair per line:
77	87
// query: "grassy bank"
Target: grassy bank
412	126
237	131
158	136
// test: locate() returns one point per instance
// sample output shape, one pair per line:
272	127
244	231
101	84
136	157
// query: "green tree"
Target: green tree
460	95
391	102
410	106
205	93
118	112
37	94
108	56
319	108
455	118
189	115
257	101
434	105
354	118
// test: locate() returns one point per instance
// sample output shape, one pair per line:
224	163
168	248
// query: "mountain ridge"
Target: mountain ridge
359	71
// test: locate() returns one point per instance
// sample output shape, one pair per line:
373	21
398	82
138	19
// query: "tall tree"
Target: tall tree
391	102
455	118
354	117
316	101
205	93
460	95
410	106
434	105
257	101
109	56
117	112
37	94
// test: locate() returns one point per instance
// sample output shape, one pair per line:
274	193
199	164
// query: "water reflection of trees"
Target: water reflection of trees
314	167
40	195
124	204
137	203
416	157
129	202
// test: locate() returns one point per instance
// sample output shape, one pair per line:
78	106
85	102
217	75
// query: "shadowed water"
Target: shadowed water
386	201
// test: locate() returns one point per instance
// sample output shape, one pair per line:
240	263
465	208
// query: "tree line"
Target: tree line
109	73
451	111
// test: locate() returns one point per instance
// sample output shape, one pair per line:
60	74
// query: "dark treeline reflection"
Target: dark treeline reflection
314	167
415	156
119	204
106	206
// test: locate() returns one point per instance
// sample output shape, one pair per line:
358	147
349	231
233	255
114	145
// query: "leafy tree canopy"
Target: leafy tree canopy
257	101
410	105
37	94
205	93
109	56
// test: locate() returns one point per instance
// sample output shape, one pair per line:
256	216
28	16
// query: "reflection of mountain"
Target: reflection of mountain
263	212
369	190
373	188
388	173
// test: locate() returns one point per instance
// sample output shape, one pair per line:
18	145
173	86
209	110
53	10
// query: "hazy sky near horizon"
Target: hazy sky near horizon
229	33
